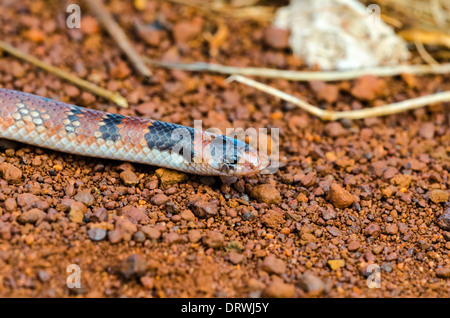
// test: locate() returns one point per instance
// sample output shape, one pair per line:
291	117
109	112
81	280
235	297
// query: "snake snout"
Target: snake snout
253	162
264	162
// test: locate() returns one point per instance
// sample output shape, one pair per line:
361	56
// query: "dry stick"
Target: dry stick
116	98
302	75
116	32
352	114
424	54
262	13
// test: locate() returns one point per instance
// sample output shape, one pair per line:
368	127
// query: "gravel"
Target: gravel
347	195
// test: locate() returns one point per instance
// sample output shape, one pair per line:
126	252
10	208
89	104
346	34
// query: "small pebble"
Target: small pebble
266	193
340	197
336	264
96	234
274	265
134	265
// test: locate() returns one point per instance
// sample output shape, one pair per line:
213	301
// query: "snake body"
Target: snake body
46	123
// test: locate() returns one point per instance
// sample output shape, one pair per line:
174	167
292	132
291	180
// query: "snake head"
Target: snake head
232	157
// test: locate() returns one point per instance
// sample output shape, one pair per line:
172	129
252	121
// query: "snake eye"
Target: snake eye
225	168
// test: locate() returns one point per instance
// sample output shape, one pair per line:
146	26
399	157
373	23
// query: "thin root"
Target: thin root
303	75
97	90
328	115
116	32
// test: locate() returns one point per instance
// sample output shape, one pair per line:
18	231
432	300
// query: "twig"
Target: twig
97	90
302	75
426	37
384	110
418	13
437	12
116	32
424	53
211	9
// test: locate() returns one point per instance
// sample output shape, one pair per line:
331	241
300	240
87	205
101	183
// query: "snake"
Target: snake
50	124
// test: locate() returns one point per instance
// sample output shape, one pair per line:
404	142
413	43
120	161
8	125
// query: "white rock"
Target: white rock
340	34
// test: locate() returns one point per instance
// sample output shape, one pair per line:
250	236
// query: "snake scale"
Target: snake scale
50	124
